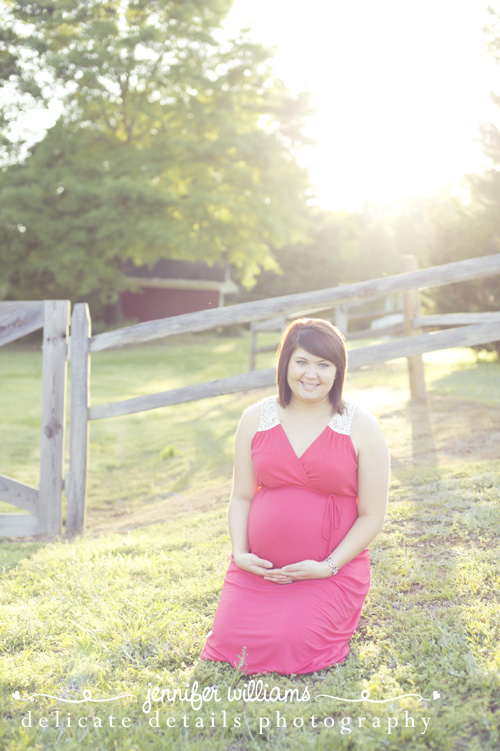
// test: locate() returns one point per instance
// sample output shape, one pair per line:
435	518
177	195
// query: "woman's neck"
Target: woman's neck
310	410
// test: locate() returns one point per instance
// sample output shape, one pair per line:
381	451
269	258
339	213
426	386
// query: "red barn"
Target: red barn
172	287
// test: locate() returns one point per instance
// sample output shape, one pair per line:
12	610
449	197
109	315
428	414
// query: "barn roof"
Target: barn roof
172	268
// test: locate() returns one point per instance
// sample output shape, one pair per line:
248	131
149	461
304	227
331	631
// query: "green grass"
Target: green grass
129	603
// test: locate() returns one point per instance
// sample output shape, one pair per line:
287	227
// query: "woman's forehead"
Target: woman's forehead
304	353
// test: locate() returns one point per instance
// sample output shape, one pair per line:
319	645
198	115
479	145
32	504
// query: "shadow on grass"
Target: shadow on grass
13	552
422	433
479	382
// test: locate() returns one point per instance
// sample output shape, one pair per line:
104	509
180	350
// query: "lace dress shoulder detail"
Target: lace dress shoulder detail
342	423
268	414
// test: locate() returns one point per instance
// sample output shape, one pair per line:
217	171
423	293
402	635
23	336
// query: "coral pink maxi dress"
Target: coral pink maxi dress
303	508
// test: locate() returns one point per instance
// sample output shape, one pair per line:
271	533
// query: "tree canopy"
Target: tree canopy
174	141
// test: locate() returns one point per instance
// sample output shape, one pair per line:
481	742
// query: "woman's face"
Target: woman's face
310	378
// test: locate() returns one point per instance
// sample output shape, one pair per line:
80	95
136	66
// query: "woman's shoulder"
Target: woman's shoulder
259	415
251	414
365	428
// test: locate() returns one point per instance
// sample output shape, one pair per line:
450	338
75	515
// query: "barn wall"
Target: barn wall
154	303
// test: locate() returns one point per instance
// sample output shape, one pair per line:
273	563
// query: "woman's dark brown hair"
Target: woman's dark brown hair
320	338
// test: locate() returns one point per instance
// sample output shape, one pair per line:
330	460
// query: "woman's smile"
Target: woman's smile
309	386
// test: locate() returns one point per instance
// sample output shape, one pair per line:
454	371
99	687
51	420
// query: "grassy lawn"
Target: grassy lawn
126	607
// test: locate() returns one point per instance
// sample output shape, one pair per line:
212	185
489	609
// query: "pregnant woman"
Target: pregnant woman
309	495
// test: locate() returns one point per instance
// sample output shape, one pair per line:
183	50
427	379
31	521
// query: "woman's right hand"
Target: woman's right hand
252	563
260	567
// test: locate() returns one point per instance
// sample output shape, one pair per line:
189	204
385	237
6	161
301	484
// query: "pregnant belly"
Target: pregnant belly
290	524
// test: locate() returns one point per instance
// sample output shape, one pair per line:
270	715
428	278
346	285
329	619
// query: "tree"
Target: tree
340	247
174	141
17	92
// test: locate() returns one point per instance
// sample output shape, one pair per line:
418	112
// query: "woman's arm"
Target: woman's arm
244	488
373	482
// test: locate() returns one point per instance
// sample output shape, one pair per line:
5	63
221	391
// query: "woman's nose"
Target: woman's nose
311	371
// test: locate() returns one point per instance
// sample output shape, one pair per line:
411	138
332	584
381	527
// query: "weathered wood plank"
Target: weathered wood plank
342	318
55	345
231	385
455	319
374	354
411	309
395	329
277	323
268	324
372	314
463	336
253	348
18	319
472	268
17	308
392	329
79	426
18	525
270	348
18	494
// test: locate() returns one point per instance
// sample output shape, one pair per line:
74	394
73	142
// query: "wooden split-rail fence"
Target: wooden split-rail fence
43	504
460	329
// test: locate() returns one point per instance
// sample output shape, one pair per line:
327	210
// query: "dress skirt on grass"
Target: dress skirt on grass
303	508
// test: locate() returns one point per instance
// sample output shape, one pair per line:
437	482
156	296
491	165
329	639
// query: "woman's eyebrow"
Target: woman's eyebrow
303	357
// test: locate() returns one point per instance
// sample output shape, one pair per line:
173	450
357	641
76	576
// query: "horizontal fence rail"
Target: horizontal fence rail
18	494
232	384
455	319
463	336
473	268
18	319
18	525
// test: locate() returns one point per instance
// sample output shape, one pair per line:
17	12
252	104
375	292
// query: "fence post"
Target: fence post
342	318
411	306
55	347
253	346
79	423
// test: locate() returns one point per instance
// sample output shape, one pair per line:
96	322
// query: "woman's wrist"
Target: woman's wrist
332	566
240	551
239	555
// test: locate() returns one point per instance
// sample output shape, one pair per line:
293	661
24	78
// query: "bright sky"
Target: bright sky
400	87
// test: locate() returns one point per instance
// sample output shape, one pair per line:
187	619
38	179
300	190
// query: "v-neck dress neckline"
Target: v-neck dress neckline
300	456
339	423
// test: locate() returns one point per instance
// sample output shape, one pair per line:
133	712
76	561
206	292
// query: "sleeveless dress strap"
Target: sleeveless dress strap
342	423
268	414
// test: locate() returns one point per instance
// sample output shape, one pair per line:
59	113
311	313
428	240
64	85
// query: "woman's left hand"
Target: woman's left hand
307	570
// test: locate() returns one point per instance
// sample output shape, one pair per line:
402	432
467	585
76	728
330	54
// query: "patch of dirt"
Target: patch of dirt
164	509
442	429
